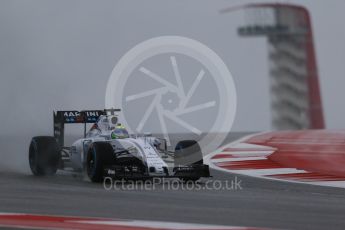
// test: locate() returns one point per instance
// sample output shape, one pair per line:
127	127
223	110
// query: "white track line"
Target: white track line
157	224
222	160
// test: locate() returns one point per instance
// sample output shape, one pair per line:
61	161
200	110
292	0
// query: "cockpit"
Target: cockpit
107	124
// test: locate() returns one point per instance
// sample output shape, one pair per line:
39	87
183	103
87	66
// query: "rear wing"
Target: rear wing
74	117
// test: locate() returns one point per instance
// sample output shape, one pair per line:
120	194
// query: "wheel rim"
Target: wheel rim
91	164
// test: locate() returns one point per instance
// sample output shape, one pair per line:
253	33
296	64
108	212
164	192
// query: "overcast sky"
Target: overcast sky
60	54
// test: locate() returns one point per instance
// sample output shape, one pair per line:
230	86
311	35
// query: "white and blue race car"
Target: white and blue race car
107	150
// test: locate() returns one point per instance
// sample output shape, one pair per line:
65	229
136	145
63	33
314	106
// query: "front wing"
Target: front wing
134	172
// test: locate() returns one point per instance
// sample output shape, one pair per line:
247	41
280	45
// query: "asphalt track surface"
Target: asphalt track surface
260	203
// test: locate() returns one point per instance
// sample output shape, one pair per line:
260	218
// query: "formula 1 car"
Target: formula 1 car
107	150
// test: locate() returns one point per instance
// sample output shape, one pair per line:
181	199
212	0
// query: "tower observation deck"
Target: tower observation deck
294	84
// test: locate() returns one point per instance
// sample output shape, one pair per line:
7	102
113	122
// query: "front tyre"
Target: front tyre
99	155
44	155
188	152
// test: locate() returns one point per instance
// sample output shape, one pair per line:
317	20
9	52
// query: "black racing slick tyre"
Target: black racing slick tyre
44	155
188	152
100	154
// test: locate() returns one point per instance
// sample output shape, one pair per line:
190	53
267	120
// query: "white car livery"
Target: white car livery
108	150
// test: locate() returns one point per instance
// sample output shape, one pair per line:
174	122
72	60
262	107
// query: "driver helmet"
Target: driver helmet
120	132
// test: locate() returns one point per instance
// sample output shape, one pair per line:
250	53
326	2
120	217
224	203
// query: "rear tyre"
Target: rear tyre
44	155
100	154
188	152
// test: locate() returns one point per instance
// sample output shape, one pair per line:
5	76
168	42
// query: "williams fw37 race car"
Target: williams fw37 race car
107	150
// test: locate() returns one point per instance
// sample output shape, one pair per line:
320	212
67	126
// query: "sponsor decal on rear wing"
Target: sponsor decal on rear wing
74	117
88	116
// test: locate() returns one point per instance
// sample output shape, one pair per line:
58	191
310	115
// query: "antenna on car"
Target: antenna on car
111	111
